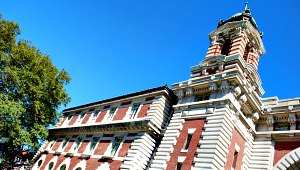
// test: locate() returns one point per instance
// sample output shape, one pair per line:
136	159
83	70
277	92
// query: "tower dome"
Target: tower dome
242	16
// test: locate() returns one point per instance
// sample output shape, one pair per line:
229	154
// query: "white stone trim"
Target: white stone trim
43	157
81	164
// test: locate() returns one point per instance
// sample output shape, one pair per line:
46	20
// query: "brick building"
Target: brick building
216	120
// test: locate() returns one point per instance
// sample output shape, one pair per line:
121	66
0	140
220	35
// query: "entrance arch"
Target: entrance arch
290	161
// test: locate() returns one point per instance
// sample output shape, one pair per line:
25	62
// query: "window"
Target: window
63	167
39	163
202	98
188	141
281	126
226	47
116	145
77	143
111	113
78	168
65	142
95	115
50	166
179	166
235	156
134	110
94	143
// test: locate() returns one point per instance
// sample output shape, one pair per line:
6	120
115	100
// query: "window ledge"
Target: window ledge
184	150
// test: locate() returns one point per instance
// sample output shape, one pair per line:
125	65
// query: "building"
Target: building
216	120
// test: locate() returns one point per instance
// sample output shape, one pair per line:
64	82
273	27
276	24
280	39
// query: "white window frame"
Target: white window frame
112	152
110	115
134	111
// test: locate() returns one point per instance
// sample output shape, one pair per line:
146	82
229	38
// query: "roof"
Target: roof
245	15
165	87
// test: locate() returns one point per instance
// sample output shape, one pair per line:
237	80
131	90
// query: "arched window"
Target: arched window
50	166
39	163
78	168
226	47
63	167
246	52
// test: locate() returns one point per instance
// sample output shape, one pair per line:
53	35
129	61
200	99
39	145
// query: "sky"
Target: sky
116	47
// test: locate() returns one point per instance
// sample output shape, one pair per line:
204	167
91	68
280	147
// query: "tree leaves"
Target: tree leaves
31	90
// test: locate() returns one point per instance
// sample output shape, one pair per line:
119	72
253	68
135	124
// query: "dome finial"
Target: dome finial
246	6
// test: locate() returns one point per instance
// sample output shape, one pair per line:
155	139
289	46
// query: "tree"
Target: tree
31	91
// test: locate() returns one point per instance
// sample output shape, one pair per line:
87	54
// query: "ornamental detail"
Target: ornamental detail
237	91
224	86
270	121
255	116
189	92
243	99
213	87
180	94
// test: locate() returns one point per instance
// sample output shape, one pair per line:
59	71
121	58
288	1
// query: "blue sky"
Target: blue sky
116	47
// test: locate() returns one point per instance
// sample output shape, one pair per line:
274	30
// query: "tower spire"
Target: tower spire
246	6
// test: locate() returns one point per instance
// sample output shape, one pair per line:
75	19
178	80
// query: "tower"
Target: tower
214	121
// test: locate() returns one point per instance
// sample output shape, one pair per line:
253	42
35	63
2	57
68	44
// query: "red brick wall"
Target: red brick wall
121	112
284	147
46	160
143	110
69	145
56	145
86	118
73	120
73	162
124	148
101	116
198	124
239	140
101	147
83	146
92	163
115	165
60	159
62	121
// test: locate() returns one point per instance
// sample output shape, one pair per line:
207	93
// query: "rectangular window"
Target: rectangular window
64	143
179	166
94	143
188	141
77	143
95	114
134	110
111	113
116	145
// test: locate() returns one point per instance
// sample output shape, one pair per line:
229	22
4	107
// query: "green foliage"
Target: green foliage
31	90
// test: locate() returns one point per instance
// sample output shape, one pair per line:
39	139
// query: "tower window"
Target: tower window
246	52
226	47
188	141
179	166
235	156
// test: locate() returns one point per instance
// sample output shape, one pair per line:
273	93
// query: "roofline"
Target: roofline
165	87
